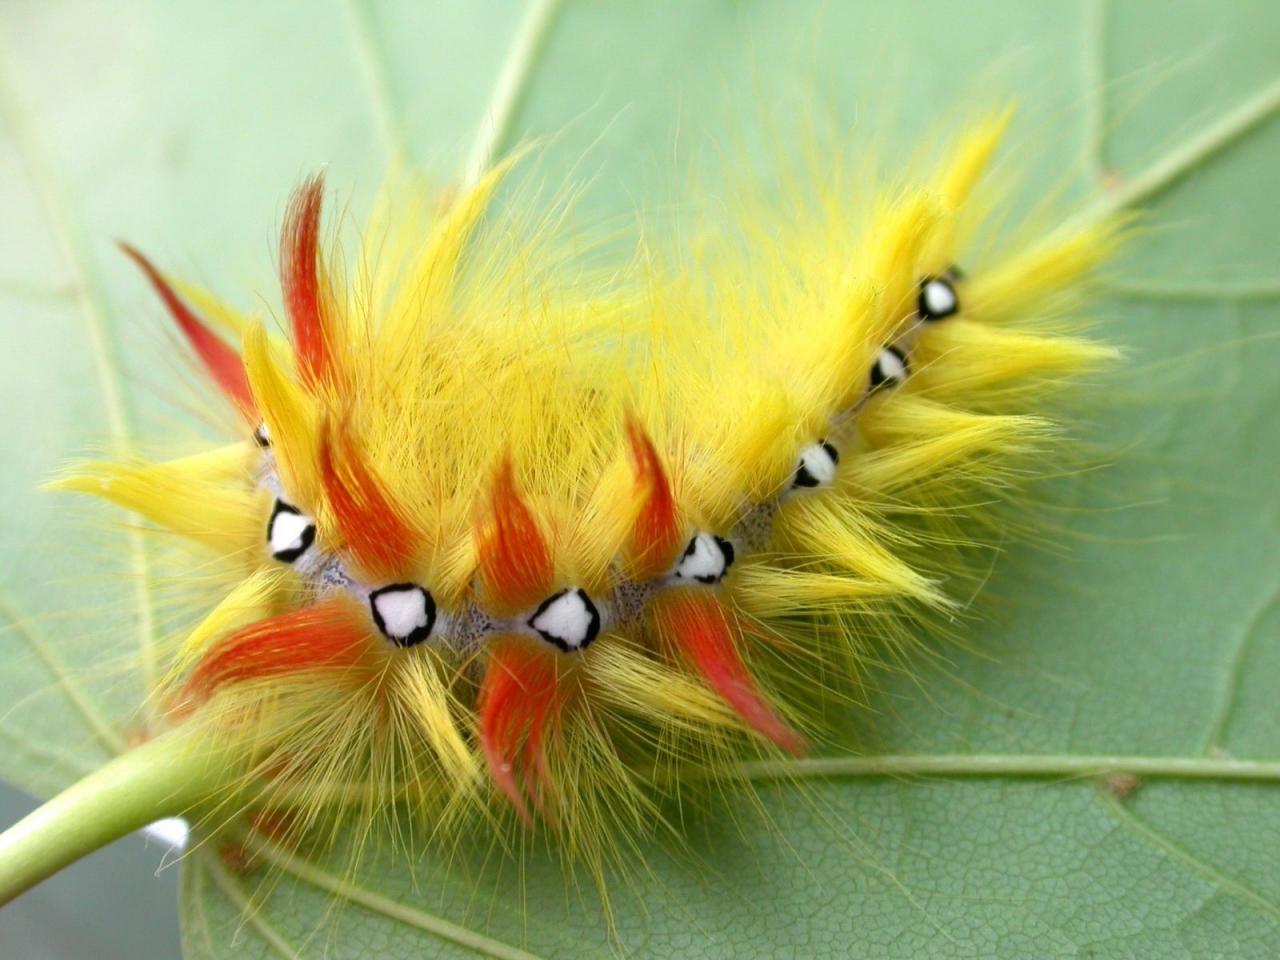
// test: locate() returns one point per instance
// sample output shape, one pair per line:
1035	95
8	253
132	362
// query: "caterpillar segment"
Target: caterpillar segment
500	536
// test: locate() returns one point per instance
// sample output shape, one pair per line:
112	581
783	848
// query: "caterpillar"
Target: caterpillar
506	542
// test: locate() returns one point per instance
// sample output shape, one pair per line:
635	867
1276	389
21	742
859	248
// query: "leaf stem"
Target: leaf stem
163	778
1048	766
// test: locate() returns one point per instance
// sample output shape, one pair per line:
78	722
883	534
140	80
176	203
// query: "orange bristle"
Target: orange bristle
220	360
705	633
330	635
520	695
372	525
656	535
515	558
300	280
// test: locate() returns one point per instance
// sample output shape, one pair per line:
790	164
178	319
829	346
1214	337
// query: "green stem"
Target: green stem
166	777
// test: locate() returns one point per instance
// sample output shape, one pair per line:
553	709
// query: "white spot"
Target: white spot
706	559
569	620
890	368
289	533
171	832
261	435
938	298
817	467
404	612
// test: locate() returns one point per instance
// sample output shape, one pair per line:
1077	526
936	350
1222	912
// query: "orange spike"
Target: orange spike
372	525
521	701
699	626
220	360
329	635
515	560
300	279
656	536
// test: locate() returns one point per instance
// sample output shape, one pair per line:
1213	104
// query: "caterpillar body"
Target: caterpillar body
503	541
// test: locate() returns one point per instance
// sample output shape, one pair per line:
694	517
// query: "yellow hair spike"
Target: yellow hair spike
896	241
839	534
970	158
430	274
436	715
974	362
189	496
290	415
1032	279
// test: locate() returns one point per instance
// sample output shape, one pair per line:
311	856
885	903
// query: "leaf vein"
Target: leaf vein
1040	766
373	62
1186	858
53	197
430	923
1189	155
1235	664
234	891
106	735
508	92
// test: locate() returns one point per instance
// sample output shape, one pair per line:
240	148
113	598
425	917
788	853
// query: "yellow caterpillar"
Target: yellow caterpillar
505	540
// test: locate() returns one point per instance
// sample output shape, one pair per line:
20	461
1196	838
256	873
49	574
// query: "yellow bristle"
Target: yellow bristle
190	496
434	713
290	414
1036	278
966	360
970	158
836	532
915	441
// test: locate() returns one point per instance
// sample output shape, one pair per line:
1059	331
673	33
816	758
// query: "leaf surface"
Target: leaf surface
1155	632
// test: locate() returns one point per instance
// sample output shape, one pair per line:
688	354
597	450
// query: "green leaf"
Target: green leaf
1152	635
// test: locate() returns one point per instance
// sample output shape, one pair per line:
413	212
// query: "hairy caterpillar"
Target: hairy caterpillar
502	541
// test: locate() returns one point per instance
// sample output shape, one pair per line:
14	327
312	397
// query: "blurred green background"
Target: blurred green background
1153	631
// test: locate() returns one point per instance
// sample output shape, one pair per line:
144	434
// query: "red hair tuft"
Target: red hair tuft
300	279
704	632
522	698
220	360
515	559
656	535
330	635
372	525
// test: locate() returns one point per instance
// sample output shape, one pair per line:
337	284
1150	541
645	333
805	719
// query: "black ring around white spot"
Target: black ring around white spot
937	299
567	620
706	560
289	532
817	466
890	367
404	612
